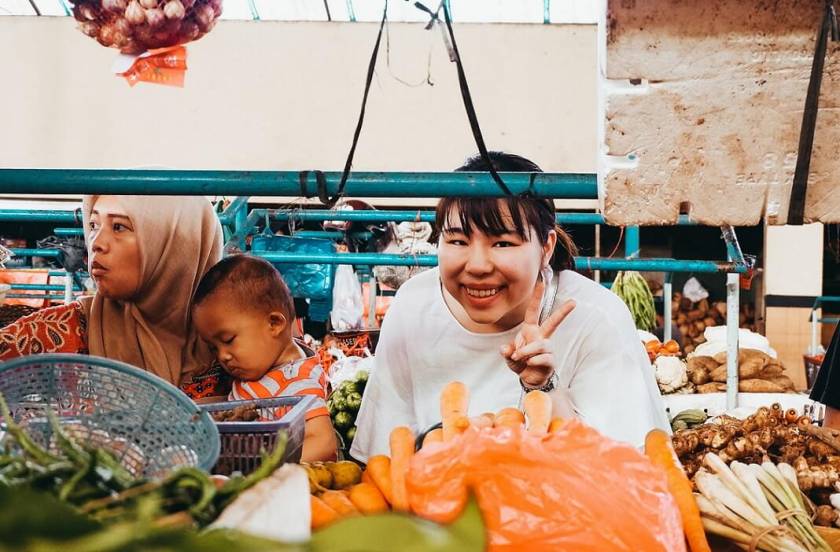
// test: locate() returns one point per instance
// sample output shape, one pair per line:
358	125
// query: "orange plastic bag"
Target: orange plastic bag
574	490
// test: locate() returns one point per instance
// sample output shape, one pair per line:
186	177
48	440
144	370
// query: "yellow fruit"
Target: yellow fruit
320	478
345	474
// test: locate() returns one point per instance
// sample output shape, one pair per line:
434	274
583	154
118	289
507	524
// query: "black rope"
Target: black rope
468	105
368	80
327	7
799	190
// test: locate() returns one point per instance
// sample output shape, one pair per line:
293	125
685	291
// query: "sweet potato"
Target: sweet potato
783	381
759	386
745	355
708	363
698	375
771	371
712	387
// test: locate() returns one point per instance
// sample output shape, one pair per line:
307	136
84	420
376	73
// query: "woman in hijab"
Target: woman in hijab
147	255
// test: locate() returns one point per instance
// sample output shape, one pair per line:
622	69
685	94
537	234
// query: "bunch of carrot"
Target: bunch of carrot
383	484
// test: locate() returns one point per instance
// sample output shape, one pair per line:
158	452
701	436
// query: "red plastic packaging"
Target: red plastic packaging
574	490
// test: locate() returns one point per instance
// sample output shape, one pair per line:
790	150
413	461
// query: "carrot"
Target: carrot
537	405
454	400
482	421
672	346
509	417
434	436
340	502
556	424
366	478
321	513
660	451
379	469
367	498
402	449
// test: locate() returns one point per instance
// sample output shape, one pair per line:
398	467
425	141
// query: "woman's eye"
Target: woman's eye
118	227
92	225
456	242
504	244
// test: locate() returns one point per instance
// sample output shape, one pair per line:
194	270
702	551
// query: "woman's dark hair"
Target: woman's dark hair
487	215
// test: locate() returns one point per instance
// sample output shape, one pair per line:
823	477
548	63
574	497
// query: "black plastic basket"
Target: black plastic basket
242	443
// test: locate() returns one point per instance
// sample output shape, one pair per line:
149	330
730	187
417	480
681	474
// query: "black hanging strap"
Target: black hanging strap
796	211
369	79
468	105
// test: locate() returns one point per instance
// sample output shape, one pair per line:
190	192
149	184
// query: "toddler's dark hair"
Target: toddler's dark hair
250	281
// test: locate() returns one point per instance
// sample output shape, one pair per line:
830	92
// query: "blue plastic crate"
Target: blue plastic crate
149	424
242	443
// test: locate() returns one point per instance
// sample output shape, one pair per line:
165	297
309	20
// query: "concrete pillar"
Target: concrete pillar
793	263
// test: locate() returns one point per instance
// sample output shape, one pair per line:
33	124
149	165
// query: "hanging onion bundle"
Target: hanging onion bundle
134	26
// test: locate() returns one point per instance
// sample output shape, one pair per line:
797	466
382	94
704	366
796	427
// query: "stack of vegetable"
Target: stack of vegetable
344	403
692	319
94	481
81	498
757	373
134	26
633	289
759	506
774	435
341	489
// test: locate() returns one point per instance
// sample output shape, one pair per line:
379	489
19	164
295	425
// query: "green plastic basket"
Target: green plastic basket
149	424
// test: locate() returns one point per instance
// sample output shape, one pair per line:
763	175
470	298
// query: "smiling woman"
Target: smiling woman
146	254
504	313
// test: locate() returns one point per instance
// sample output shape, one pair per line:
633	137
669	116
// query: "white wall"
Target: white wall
286	96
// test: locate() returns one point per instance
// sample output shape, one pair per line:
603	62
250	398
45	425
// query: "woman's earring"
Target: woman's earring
545	274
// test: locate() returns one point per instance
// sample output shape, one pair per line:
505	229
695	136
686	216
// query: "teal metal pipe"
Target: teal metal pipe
228	216
656	265
318	215
291	183
374	259
68	231
27	215
581	263
52	297
24	252
332	234
38	287
631	242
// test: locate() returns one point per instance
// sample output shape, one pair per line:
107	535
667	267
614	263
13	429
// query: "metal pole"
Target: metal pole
597	274
27	252
319	215
667	297
590	263
292	183
68	287
732	290
631	242
372	300
814	317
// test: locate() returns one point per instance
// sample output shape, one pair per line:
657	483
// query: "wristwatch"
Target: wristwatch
548	387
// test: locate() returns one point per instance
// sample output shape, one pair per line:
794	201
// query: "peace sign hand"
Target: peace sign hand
530	354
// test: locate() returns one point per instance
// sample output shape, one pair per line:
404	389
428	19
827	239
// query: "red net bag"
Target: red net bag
574	490
135	26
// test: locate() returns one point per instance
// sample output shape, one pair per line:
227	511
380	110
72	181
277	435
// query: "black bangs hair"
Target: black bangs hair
489	216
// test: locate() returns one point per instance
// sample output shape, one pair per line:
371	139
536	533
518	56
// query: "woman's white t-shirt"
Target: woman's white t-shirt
603	370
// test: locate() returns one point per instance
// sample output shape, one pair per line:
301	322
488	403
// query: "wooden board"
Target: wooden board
714	121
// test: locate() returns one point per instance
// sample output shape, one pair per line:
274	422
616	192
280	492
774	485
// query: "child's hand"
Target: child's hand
530	354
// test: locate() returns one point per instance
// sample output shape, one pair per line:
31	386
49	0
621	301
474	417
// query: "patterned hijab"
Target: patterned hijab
179	239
